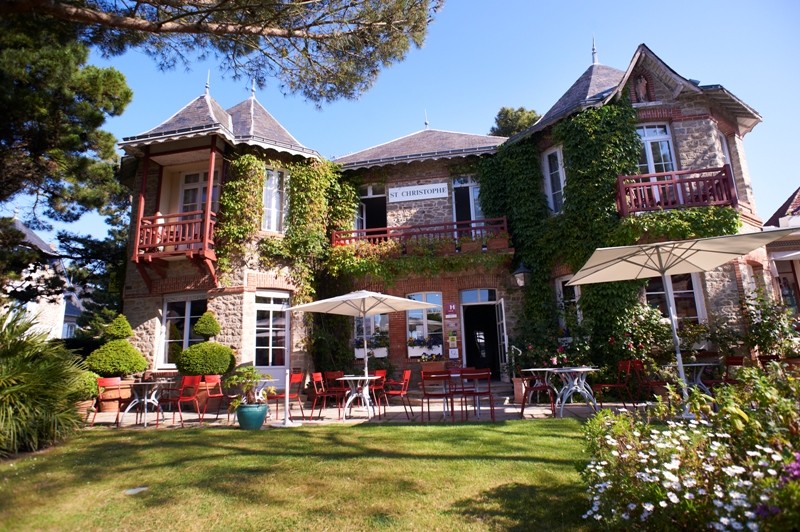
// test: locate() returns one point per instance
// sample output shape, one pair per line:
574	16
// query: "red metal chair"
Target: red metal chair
185	393
110	391
531	385
377	388
732	364
475	384
213	391
334	386
623	383
437	385
399	389
647	384
321	392
296	381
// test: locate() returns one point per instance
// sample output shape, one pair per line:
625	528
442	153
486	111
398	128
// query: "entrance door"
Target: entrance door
481	337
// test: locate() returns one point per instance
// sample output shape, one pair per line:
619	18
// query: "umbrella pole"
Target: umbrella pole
673	320
366	353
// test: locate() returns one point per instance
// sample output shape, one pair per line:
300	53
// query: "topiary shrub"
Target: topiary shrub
206	358
207	326
118	329
86	386
117	358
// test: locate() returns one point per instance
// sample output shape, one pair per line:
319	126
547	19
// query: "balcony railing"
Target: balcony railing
675	190
174	234
475	230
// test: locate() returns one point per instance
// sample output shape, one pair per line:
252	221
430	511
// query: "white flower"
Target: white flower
688	495
672	497
663	504
648	506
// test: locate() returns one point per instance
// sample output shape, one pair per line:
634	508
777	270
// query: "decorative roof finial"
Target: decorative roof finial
253	89
426	119
208	80
594	53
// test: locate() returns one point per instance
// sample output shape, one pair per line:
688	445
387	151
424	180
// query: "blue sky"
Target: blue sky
482	55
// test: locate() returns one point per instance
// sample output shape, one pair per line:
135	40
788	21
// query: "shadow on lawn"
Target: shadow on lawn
521	507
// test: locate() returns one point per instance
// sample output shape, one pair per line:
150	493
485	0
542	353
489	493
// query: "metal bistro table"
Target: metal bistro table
574	381
359	387
695	376
145	393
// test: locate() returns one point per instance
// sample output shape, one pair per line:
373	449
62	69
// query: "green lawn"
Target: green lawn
515	475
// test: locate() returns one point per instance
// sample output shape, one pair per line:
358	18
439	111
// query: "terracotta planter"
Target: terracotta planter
84	407
435	365
108	400
517	390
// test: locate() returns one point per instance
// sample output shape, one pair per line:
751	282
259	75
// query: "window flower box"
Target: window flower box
418	351
377	352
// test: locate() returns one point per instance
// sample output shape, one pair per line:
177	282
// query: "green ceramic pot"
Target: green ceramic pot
251	417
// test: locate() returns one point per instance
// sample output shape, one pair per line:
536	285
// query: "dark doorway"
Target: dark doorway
480	337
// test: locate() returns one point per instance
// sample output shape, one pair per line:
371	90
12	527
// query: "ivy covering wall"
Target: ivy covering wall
597	145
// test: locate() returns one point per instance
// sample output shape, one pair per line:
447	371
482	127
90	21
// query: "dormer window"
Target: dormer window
554	178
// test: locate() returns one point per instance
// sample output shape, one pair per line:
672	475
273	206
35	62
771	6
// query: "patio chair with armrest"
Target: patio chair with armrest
186	392
295	387
399	389
437	385
623	384
321	392
377	388
647	384
732	364
336	386
213	391
531	384
475	384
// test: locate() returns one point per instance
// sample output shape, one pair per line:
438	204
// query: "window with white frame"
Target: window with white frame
425	325
554	178
272	329
194	190
657	154
687	300
69	330
568	301
375	329
748	280
274	200
178	321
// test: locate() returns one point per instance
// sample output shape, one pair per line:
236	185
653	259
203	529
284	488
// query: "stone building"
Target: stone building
419	197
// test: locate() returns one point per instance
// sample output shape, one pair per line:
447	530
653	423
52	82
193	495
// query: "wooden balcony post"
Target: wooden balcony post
209	195
137	227
622	198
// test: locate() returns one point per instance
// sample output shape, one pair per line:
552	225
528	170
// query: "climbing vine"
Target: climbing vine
240	210
320	201
597	145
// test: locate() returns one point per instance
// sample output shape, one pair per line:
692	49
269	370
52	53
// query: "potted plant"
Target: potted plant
116	358
377	346
251	408
85	392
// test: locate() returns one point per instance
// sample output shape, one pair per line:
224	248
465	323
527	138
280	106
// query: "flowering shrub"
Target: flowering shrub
641	332
732	468
431	357
379	339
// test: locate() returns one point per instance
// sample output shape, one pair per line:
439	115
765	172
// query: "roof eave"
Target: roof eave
419	157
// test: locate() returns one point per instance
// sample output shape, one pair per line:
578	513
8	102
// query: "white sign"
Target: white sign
417	192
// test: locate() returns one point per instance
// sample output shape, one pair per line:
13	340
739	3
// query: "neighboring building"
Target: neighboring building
417	193
48	312
785	253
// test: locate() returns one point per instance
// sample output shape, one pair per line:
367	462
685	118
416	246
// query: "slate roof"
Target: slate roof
790	207
590	90
34	239
246	123
428	144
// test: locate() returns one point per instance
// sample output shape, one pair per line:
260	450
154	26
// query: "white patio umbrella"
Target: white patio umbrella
663	259
361	304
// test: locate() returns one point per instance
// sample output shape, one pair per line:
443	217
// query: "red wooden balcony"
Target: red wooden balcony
490	230
675	190
162	237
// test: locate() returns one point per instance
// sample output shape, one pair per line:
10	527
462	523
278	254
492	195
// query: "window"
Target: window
179	319
567	297
194	188
687	299
375	329
480	295
466	198
425	325
69	330
272	321
656	153
371	212
274	201
554	179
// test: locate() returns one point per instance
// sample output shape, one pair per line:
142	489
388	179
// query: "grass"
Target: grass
515	475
